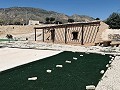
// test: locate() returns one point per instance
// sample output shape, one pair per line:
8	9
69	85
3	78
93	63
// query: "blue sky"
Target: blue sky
94	8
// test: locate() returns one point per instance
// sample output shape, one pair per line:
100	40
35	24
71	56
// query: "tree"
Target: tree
52	19
97	19
70	20
9	36
58	22
47	20
113	21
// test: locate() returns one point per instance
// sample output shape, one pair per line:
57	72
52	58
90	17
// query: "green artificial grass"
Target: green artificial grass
75	76
1	40
4	40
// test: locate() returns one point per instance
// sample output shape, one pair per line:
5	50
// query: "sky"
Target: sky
94	8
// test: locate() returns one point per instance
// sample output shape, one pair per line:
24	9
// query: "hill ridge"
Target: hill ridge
23	14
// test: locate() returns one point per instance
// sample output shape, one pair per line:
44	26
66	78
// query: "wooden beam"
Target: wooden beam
43	35
69	25
53	35
82	33
66	34
35	34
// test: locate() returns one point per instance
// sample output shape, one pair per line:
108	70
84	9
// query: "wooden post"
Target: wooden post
65	34
82	31
35	34
53	35
43	35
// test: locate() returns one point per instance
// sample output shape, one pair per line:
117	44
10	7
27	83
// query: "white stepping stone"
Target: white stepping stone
81	55
68	61
90	87
32	78
110	56
110	61
59	66
48	71
107	65
102	71
74	58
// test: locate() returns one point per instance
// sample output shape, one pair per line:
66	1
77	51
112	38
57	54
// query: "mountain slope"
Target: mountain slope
23	14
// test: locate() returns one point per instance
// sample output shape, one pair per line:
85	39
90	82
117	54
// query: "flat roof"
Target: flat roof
69	24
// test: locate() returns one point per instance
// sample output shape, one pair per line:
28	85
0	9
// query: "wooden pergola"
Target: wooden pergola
79	25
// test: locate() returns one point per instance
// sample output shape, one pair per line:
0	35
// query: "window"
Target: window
75	35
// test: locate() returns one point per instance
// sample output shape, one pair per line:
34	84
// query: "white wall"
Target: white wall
111	35
32	22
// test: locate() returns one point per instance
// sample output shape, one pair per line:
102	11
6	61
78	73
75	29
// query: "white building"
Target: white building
32	22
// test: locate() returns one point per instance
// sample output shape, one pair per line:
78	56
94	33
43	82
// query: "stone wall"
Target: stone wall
111	35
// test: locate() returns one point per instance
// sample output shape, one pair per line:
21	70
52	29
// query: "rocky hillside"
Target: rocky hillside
23	14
